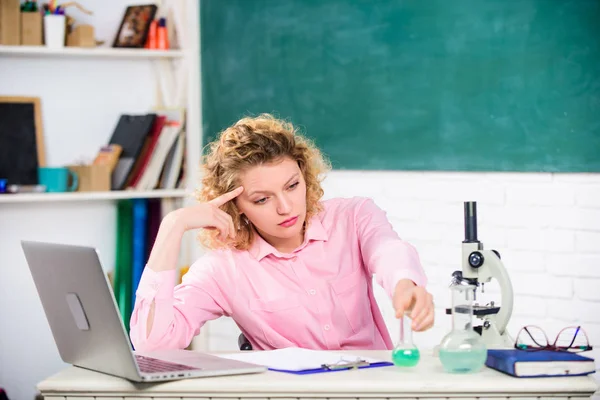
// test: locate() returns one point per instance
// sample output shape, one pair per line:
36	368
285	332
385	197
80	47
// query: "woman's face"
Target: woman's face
274	200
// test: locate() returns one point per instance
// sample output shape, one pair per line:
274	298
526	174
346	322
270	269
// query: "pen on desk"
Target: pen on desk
346	365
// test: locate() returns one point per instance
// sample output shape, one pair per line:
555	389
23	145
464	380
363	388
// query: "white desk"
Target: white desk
427	380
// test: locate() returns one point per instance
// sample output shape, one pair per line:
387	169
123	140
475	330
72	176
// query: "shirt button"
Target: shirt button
326	327
312	291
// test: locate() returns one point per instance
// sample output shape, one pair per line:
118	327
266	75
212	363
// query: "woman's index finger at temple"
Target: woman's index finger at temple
224	198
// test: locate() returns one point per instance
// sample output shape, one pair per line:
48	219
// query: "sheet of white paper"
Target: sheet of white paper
295	359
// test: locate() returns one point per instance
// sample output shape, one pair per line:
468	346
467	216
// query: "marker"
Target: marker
26	188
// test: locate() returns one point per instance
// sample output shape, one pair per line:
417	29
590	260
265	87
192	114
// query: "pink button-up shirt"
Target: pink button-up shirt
319	296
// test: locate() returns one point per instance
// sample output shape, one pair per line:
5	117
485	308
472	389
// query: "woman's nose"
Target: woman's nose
284	206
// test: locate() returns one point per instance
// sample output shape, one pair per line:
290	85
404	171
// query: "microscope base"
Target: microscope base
493	339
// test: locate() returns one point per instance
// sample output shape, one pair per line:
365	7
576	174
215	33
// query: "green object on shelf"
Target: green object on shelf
123	264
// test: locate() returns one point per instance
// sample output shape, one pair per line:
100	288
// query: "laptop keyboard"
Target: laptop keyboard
151	365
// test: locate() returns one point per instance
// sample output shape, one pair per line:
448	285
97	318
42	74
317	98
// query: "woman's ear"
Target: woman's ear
236	206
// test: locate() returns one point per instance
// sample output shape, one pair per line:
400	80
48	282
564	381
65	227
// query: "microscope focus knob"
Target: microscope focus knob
475	259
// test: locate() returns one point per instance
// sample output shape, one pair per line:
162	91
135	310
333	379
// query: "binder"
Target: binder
130	133
123	269
138	261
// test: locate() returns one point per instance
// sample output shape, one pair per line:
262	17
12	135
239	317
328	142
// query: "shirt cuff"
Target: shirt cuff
156	285
390	283
418	278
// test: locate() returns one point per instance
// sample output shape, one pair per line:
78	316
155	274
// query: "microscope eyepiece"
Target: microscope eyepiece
470	222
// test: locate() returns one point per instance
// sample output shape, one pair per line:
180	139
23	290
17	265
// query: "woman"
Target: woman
290	269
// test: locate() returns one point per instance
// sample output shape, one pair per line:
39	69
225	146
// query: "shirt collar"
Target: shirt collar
315	231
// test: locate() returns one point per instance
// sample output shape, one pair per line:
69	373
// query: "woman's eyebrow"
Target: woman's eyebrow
292	178
266	191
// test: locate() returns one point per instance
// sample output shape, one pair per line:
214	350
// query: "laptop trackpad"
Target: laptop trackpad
77	311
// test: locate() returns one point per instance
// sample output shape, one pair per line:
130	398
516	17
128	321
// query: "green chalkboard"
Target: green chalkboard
464	85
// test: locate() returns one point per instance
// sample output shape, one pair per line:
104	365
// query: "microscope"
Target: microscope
479	266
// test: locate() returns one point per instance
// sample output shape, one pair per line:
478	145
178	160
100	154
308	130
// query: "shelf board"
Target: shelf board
102	52
91	196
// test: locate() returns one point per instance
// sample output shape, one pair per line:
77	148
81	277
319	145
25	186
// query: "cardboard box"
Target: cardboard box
10	22
92	178
31	29
81	36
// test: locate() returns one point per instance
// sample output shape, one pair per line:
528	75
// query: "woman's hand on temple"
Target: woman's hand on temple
417	302
165	250
208	215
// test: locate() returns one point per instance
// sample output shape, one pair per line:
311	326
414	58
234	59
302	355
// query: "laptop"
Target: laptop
84	319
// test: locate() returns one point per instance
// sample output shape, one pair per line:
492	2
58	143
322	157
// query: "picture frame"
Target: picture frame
134	27
22	149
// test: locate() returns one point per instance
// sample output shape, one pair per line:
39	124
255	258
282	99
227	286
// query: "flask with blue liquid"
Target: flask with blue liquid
462	350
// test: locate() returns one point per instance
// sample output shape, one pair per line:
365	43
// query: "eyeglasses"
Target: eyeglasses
572	339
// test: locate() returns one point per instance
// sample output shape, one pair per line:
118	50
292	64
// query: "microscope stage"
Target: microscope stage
478	310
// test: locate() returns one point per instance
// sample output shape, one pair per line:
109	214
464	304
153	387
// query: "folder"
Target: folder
300	361
138	259
130	133
123	263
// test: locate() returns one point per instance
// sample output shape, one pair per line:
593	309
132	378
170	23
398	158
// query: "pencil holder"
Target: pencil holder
54	30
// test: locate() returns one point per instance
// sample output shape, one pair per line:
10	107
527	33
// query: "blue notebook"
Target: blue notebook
537	364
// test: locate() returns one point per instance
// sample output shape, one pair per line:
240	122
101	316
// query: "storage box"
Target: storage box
10	22
81	36
31	29
92	178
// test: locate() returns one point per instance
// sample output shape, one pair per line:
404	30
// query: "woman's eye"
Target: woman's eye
261	201
293	186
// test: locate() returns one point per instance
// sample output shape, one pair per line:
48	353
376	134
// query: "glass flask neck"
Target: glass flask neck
405	331
462	307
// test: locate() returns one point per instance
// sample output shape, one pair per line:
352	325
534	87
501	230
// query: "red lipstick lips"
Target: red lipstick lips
289	222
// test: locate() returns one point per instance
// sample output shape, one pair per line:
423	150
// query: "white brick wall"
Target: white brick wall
546	227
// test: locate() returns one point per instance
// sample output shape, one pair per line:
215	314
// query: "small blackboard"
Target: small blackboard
21	140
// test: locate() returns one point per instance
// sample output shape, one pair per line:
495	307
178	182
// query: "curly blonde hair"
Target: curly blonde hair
249	142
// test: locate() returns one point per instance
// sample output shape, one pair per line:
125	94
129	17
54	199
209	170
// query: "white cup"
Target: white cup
54	30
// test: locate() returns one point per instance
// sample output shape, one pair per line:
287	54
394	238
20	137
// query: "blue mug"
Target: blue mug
56	179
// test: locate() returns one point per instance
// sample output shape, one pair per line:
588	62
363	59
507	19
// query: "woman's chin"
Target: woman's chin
288	233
